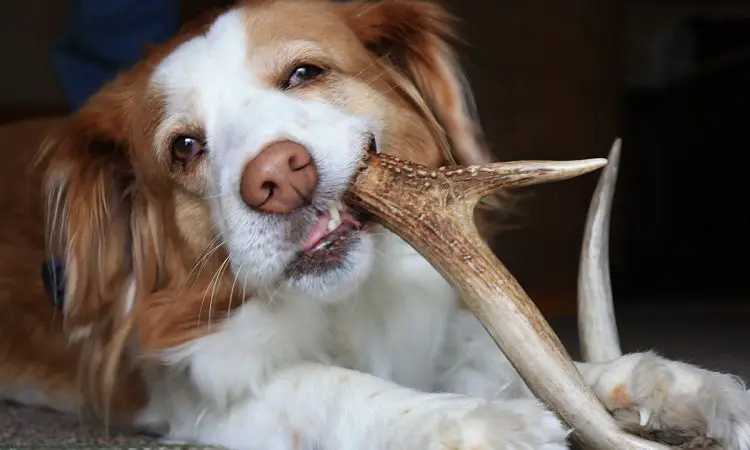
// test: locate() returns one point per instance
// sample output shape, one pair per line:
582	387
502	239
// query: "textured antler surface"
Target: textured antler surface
433	211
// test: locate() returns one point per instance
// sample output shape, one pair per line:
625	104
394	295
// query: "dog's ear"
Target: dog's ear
88	182
416	37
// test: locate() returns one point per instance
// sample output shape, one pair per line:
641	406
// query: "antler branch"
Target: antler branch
597	327
433	211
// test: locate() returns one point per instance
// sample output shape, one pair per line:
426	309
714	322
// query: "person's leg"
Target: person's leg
104	37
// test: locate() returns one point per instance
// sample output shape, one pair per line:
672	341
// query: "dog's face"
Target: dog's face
239	139
262	76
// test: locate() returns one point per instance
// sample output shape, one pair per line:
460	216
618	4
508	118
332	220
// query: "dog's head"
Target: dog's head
212	172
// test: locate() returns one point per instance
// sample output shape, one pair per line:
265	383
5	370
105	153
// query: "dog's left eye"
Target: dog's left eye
303	74
185	149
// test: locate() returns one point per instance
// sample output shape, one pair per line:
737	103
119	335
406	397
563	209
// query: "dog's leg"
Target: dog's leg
314	406
646	392
670	400
673	400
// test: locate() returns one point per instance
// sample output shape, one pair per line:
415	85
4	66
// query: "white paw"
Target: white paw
676	403
507	425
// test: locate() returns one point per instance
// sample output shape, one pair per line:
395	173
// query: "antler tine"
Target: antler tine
433	211
597	326
479	181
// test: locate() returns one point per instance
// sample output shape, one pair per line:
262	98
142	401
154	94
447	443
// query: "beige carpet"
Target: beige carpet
25	426
713	340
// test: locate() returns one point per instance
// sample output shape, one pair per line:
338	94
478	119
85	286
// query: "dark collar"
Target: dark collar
53	276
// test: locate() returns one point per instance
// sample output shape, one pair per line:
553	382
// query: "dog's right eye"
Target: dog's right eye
185	149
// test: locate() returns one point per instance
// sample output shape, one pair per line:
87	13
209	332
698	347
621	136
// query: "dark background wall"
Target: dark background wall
560	80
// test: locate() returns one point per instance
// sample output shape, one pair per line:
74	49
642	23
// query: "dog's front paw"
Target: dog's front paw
516	424
676	403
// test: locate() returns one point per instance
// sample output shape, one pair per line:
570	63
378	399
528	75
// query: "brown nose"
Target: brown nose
280	179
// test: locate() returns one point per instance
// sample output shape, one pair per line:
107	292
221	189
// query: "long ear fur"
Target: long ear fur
87	176
415	36
91	208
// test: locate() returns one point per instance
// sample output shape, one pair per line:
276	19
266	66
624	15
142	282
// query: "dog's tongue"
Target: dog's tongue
317	232
320	229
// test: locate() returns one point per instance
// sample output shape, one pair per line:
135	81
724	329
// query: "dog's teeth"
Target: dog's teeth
334	211
645	416
335	220
333	224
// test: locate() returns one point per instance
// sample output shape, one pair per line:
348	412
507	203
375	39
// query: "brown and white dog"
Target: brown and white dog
217	290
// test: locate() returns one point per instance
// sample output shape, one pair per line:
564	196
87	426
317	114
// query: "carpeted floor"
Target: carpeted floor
715	340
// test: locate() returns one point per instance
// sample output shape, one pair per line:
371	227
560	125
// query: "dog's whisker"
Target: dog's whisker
207	250
202	261
231	292
244	288
371	65
203	300
205	292
212	197
272	297
361	109
373	78
217	281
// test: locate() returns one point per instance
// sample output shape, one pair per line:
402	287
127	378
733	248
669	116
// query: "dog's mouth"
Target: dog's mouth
330	238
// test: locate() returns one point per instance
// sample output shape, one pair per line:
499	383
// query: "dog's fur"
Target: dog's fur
179	314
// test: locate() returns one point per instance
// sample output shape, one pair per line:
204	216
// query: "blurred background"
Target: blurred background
561	80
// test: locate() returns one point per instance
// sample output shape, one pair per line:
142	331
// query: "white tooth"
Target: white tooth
334	212
645	416
335	219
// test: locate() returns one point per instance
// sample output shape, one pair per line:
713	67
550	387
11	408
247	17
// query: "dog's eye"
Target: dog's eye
184	149
303	74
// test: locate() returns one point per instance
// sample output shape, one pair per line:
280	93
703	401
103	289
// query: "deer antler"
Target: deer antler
433	211
597	327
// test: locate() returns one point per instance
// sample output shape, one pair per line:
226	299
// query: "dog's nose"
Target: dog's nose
280	179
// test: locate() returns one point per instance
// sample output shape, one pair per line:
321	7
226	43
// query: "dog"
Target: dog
205	281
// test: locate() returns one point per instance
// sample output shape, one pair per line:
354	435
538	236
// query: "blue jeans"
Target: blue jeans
103	37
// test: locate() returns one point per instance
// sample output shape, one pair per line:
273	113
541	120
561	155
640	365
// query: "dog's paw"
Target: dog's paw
676	403
516	424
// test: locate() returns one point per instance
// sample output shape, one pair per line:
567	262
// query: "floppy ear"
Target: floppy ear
416	36
105	232
88	180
